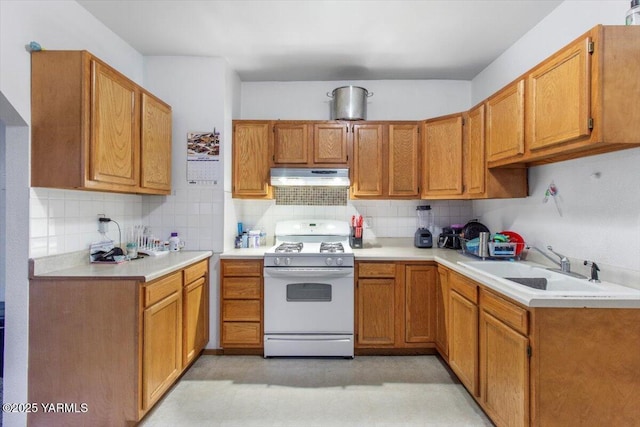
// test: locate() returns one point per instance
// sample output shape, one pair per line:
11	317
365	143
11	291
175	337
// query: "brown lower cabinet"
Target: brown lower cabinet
530	366
395	305
111	348
241	305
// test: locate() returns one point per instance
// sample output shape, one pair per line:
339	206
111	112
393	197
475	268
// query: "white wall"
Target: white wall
201	92
391	100
56	25
194	87
598	214
15	148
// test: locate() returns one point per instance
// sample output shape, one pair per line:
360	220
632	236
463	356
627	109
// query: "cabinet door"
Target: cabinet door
155	143
376	312
114	148
330	144
196	319
504	372
442	312
251	160
474	156
368	154
420	295
290	143
505	123
558	97
403	160
442	157
162	347
463	340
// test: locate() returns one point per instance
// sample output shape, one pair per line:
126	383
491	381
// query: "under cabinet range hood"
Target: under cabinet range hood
288	177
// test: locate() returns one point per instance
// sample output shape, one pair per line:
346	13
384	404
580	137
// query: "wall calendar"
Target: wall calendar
203	157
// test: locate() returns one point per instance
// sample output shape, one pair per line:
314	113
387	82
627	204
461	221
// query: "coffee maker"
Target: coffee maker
423	237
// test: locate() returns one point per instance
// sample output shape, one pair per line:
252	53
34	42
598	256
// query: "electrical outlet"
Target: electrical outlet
103	223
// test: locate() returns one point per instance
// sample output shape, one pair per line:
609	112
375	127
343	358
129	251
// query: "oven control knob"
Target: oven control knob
328	261
339	261
276	261
287	261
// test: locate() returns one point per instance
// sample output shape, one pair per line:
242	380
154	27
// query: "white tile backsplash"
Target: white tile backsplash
62	221
196	214
66	220
389	218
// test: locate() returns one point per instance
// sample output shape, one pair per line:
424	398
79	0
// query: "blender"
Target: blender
423	237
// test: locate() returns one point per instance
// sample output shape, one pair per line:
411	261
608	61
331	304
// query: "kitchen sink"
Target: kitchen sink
537	278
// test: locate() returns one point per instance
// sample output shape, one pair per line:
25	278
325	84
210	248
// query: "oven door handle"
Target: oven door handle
308	272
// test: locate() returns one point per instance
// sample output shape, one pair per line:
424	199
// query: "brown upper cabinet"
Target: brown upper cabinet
290	143
475	160
442	157
479	181
368	173
578	102
331	144
94	129
155	145
386	160
308	144
505	124
251	147
454	162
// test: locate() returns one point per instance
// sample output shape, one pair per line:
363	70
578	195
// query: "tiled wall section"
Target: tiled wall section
67	221
315	196
196	214
385	218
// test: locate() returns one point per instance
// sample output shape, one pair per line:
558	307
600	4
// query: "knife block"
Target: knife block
355	242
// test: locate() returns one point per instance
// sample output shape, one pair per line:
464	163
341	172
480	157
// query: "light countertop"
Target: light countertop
144	270
402	249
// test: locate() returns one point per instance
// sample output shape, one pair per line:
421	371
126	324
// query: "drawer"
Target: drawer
162	288
241	287
195	271
242	268
241	334
511	314
239	310
376	269
465	287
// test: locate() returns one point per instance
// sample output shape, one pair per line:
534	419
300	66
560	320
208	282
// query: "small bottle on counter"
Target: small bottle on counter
254	238
633	14
245	239
174	242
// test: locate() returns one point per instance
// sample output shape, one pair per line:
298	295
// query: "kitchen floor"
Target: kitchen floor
368	390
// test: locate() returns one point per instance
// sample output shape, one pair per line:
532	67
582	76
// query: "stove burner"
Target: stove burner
288	247
331	247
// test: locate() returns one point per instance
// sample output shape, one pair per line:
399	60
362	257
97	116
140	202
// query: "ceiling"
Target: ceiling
328	40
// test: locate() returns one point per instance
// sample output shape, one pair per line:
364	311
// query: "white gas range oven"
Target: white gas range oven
309	290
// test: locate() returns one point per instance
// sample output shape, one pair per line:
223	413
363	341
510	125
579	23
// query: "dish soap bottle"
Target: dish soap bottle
174	242
633	14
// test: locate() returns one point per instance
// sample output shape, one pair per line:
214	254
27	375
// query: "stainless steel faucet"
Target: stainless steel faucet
565	264
548	257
